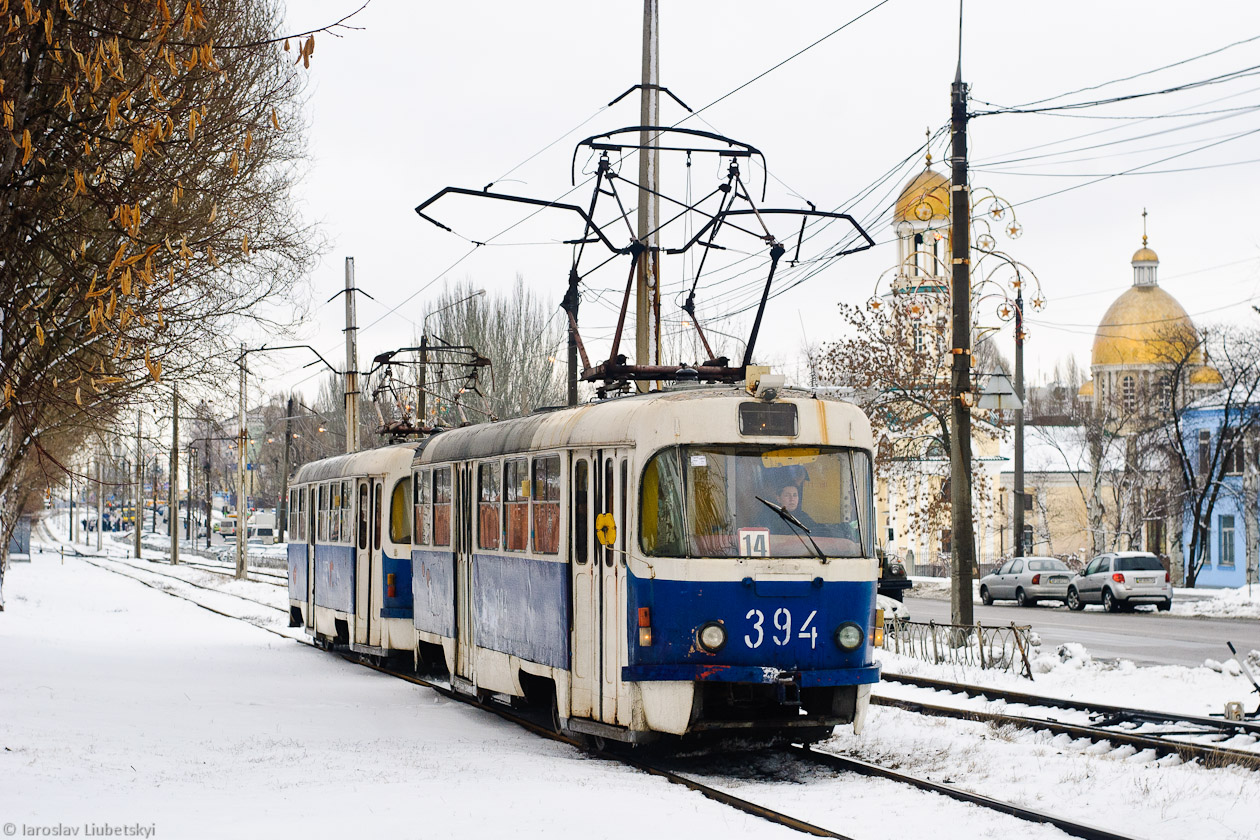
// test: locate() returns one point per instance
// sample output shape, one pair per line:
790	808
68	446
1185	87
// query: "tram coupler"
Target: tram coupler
787	688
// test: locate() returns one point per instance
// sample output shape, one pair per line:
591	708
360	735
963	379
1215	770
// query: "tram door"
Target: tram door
365	561
598	584
309	512
462	545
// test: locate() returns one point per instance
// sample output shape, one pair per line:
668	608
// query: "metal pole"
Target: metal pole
283	519
188	531
172	495
207	496
962	537
647	323
352	364
1019	423
100	502
70	476
241	502
138	508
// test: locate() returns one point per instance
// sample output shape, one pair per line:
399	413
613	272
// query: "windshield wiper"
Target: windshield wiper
796	523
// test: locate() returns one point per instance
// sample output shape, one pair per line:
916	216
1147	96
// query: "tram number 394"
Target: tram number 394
781	633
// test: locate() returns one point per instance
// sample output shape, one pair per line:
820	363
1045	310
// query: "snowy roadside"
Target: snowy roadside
202	727
1198	603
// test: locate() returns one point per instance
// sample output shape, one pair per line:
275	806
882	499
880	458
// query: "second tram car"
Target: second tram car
674	563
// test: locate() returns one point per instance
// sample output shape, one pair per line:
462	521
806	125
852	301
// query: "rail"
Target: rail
990	647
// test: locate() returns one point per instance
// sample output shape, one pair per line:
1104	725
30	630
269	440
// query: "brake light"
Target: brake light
1118	578
1036	579
645	627
1167	578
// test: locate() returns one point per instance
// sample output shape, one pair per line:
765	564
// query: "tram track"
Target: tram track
805	754
1117	725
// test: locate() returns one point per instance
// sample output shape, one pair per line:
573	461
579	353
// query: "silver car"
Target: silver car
1121	580
1027	580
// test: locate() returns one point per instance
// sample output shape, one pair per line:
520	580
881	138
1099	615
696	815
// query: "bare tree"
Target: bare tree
1207	437
149	153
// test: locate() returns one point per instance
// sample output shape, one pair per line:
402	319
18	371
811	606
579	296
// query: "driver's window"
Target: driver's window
1017	567
1006	567
1092	567
1104	565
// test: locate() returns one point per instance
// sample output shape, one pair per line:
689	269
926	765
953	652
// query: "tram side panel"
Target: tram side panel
298	582
334	590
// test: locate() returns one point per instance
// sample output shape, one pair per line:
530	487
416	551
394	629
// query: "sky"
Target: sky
422	96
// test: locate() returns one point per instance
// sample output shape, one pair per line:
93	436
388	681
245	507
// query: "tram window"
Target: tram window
378	515
608	505
545	501
399	518
516	504
321	514
423	512
623	524
334	512
347	487
363	516
581	511
723	501
488	498
442	506
660	505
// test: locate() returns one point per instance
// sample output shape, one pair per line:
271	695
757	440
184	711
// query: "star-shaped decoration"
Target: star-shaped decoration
1005	311
1014	229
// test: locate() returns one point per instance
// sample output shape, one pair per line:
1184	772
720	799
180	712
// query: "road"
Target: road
1147	638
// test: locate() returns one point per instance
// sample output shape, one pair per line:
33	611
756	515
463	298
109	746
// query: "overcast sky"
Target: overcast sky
427	95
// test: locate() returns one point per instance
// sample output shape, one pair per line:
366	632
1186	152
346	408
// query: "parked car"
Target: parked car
1121	580
893	581
1027	580
892	608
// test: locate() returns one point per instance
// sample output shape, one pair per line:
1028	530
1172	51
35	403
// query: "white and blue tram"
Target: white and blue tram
680	562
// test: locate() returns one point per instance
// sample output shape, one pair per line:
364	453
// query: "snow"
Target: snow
124	706
156	712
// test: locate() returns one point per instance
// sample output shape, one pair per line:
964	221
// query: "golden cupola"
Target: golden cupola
1145	325
924	199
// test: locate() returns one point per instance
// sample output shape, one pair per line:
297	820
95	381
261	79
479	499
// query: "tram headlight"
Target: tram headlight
712	637
849	636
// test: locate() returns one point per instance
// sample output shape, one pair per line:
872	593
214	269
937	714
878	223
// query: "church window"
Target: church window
1226	554
1205	450
1234	463
1165	391
917	257
1128	392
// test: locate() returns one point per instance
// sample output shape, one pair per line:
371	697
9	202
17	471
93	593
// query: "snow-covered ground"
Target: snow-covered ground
121	705
1243	602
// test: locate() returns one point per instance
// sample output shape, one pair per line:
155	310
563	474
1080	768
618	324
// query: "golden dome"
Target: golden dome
1206	376
924	199
1144	254
1143	327
1086	390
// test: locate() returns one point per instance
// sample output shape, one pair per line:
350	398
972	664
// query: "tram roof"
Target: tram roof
380	461
649	420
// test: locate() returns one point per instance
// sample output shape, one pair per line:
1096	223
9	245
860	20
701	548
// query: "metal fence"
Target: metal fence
990	647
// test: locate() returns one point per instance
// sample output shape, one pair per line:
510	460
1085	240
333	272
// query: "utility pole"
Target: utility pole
1018	518
138	507
647	323
209	501
70	476
172	495
188	519
352	364
242	504
283	518
962	537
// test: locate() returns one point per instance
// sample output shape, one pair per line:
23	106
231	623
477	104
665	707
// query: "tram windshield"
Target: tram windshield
757	501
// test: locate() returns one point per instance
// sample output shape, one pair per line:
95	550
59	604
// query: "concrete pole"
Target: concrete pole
242	503
172	496
962	536
647	319
422	401
352	364
70	494
138	507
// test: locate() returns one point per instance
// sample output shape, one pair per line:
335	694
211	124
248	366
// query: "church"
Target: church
1095	480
